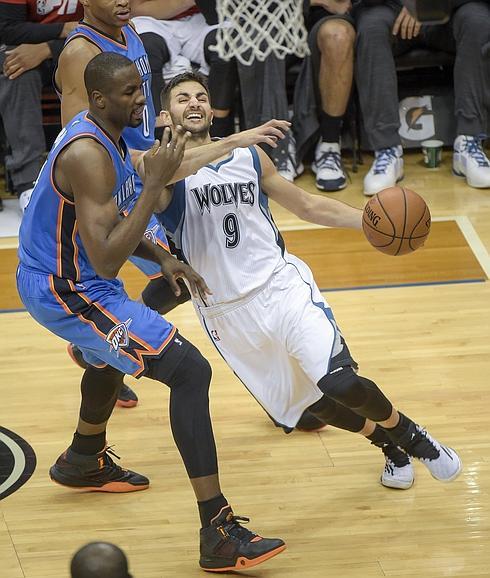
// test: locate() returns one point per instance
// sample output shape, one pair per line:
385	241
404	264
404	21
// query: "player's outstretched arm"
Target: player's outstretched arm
69	77
197	157
313	208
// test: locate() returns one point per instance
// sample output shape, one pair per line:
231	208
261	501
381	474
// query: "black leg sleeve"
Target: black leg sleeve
99	393
189	407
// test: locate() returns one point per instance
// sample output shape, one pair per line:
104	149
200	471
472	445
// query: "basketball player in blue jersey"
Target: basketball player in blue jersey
266	316
106	28
72	245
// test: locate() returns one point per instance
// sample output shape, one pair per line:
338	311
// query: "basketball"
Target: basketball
396	221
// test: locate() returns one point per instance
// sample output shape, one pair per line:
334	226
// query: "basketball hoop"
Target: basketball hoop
253	29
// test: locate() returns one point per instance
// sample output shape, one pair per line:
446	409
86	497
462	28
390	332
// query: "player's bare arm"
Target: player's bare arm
69	77
197	157
313	208
160	9
85	171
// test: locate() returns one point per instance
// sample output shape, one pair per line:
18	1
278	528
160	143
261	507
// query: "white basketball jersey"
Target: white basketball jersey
219	222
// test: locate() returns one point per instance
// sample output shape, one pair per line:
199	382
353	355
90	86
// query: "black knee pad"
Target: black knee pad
357	393
181	364
159	296
332	413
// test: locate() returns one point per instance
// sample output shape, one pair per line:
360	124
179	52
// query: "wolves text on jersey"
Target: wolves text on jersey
224	194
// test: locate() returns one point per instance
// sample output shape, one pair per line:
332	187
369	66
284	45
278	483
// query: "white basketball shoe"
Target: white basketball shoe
327	166
386	170
470	161
398	470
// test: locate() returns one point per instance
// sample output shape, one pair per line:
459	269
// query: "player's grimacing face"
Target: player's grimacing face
189	106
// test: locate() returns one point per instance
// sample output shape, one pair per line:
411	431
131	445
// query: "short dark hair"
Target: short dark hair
99	559
100	71
179	79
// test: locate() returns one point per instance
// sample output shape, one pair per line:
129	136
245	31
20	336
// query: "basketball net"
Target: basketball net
253	29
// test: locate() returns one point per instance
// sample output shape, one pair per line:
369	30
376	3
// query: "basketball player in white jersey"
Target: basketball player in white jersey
266	315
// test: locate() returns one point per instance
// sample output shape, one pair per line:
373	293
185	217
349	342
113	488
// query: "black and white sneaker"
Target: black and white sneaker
398	470
442	462
327	166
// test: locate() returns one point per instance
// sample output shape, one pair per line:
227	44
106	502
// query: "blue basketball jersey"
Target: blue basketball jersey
141	137
48	240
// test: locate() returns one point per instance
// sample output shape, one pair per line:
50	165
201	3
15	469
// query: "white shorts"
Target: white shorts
184	38
279	341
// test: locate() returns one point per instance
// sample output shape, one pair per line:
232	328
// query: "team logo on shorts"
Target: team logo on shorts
18	462
118	336
214	335
151	234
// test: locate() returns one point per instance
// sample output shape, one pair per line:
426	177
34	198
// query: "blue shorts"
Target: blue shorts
98	316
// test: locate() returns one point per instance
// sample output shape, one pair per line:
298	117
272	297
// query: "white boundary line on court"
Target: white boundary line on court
472	238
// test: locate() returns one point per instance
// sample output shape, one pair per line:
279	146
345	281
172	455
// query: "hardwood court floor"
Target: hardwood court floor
427	346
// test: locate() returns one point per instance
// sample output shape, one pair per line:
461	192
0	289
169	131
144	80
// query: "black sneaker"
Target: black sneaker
442	462
226	545
96	473
126	397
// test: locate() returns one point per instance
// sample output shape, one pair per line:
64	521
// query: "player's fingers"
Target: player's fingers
165	137
275	132
416	29
271	141
173	284
154	148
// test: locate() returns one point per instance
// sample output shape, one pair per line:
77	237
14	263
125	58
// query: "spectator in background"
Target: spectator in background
31	33
99	560
387	30
177	35
323	89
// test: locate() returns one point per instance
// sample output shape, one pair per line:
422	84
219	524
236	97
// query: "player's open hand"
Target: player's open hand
163	159
174	269
267	133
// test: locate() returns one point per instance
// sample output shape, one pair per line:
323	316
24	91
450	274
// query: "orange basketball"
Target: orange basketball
396	221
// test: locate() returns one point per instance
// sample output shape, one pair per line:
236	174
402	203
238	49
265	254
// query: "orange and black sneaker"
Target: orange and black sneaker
97	473
226	545
126	396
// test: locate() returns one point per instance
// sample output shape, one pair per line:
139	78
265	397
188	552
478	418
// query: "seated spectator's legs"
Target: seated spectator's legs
471	29
21	99
376	81
223	79
334	37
